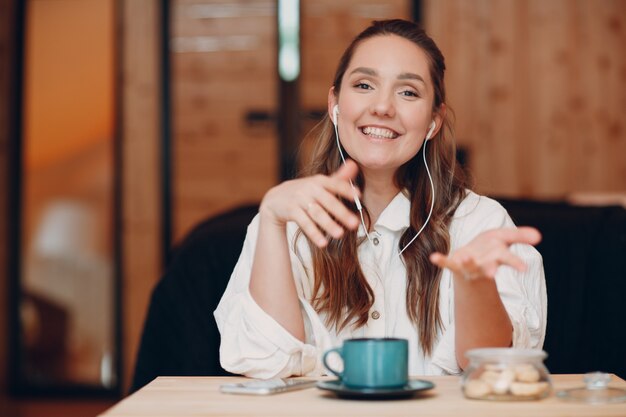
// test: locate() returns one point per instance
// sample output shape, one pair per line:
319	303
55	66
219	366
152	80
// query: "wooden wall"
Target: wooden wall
141	198
539	90
223	67
6	120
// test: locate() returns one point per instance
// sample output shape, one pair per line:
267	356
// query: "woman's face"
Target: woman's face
385	103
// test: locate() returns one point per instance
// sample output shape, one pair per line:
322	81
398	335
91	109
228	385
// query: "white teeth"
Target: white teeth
379	132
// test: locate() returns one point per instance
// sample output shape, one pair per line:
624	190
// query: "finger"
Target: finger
464	266
437	258
470	267
510	235
347	171
443	261
510	259
310	228
339	187
338	210
483	270
341	180
320	216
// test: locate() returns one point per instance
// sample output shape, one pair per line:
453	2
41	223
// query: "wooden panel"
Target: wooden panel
6	53
141	217
597	33
539	90
223	65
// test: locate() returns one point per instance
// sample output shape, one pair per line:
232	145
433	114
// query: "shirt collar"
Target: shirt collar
395	216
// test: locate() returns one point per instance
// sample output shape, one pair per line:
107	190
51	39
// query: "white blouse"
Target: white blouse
255	345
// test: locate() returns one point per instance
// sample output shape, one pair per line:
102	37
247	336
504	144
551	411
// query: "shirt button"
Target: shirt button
375	241
375	315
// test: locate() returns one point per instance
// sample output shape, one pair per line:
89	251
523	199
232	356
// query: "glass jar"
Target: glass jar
505	374
595	391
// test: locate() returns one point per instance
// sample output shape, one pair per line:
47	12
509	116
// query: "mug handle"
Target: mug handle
328	352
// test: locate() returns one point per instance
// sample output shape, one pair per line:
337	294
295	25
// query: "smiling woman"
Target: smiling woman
394	273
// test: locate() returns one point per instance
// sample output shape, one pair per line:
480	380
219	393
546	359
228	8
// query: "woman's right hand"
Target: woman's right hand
313	204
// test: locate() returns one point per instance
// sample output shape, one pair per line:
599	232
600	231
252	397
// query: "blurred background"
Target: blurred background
124	123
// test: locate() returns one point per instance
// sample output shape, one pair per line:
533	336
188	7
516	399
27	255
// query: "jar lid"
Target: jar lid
506	354
595	391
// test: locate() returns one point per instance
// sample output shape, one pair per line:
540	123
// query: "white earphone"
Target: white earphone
431	128
356	198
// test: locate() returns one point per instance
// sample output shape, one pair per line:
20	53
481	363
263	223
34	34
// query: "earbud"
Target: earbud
335	114
431	128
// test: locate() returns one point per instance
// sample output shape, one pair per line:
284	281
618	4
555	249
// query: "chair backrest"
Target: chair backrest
584	255
180	337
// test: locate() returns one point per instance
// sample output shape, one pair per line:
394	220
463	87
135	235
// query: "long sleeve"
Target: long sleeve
523	293
252	342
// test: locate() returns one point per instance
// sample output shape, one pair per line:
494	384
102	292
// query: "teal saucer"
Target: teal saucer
411	388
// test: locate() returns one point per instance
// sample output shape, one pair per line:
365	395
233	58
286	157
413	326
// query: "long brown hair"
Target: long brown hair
341	290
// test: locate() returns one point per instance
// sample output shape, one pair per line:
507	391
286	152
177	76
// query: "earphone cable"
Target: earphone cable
356	198
432	200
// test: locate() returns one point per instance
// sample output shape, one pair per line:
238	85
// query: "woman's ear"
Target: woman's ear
332	102
438	117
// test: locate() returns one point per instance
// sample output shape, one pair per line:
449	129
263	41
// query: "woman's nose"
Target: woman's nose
383	106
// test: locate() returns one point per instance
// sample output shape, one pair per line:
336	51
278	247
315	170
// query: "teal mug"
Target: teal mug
372	363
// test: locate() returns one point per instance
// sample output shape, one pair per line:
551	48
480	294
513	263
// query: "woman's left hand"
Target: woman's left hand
484	254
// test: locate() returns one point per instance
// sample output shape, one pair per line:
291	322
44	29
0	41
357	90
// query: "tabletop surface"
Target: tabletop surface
200	396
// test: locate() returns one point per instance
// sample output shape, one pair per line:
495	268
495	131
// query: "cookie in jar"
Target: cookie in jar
506	374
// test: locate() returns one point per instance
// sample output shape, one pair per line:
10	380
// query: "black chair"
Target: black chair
584	255
180	337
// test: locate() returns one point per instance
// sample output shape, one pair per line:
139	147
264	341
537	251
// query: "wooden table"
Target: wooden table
200	396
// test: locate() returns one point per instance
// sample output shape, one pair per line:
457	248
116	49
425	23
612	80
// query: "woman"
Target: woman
421	260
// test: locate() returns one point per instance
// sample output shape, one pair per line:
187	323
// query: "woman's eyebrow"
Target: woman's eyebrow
411	76
403	76
364	70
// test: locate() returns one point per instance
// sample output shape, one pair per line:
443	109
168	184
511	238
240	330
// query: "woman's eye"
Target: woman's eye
363	86
409	93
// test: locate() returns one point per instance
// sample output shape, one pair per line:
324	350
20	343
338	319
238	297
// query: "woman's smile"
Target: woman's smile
376	132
